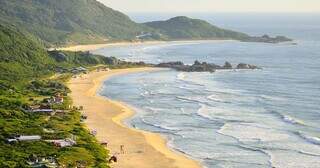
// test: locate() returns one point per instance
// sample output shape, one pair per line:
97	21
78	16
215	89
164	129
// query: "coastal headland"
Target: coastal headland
140	149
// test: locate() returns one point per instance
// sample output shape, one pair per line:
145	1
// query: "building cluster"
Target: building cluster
46	162
68	142
102	69
79	70
46	107
75	70
63	142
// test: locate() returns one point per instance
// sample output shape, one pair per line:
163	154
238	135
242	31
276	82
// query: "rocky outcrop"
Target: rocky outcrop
203	67
246	66
267	39
227	65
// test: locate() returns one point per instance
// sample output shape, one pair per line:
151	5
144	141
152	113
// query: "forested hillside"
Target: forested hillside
186	28
28	84
69	21
22	57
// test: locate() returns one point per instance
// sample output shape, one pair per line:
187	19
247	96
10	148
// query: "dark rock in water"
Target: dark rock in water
174	65
266	36
247	66
197	62
267	39
196	67
203	67
227	65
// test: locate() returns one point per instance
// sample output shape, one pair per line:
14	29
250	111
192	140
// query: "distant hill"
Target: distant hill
182	27
63	22
69	21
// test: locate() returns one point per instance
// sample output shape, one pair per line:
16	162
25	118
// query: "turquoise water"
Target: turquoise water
248	118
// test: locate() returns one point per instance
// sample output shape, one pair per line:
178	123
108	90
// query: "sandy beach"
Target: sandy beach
91	47
142	149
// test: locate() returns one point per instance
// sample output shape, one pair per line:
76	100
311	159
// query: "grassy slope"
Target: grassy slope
88	21
71	21
186	28
22	60
25	68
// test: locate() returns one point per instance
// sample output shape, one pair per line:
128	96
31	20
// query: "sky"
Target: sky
177	6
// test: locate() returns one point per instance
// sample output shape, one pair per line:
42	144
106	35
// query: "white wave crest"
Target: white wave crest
204	112
292	120
181	76
311	139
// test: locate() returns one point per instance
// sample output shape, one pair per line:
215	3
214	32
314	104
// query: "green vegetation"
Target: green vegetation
24	70
186	28
14	121
69	21
21	58
67	59
28	72
27	81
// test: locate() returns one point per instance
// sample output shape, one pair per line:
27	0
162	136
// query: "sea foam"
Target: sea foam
310	139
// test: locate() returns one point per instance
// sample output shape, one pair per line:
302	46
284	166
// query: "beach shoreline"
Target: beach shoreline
142	149
92	47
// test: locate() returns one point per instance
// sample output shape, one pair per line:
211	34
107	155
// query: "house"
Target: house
11	140
63	142
103	69
79	70
144	35
58	98
46	111
43	108
61	111
21	138
93	132
48	130
49	162
29	138
35	106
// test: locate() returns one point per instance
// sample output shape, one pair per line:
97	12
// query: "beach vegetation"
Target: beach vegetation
27	80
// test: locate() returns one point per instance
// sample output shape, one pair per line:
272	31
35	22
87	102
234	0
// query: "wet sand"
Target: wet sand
142	149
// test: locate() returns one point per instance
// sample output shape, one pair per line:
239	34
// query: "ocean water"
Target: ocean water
248	118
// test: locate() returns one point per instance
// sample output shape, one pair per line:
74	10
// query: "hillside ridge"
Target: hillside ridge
70	22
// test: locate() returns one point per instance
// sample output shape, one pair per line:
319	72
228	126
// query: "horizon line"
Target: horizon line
230	12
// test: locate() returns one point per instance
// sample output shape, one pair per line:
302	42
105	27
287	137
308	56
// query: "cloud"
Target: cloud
214	5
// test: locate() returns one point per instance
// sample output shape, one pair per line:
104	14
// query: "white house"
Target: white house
24	138
42	111
63	142
29	138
